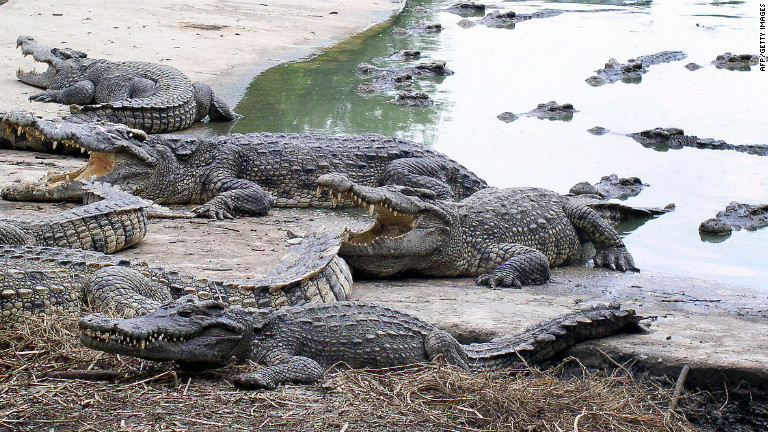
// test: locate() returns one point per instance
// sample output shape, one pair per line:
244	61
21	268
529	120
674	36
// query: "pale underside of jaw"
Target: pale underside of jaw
98	165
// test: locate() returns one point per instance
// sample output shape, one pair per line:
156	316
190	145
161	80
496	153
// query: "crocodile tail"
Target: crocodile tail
208	104
135	114
220	111
549	339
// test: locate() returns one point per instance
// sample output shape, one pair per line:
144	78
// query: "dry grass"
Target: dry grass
146	396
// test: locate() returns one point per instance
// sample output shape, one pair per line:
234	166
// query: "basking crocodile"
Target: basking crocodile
506	237
233	174
36	280
297	344
116	220
151	97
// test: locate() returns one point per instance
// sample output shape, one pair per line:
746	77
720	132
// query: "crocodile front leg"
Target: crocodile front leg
611	251
295	369
79	93
235	196
512	265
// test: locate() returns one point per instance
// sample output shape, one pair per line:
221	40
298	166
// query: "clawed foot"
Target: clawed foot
43	97
615	259
497	279
253	381
212	211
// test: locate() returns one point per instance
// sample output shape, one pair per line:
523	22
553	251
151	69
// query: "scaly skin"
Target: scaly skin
505	237
151	97
35	280
298	344
114	221
234	174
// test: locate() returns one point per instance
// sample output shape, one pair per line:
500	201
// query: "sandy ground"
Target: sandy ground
719	330
222	42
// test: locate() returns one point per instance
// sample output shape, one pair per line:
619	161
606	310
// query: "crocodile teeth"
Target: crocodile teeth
334	200
319	192
54	144
371	208
142	344
82	149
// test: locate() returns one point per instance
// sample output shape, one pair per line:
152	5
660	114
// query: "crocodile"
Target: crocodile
232	174
505	237
544	111
509	19
663	139
735	217
148	96
110	221
609	187
632	71
298	344
43	280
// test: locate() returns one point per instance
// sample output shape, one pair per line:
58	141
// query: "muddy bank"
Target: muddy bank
710	326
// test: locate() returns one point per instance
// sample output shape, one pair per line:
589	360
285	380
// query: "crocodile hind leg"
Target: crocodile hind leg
441	344
512	265
124	291
236	196
295	369
611	251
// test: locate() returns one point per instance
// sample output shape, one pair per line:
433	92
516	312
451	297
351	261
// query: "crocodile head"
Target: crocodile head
410	226
190	331
64	64
117	155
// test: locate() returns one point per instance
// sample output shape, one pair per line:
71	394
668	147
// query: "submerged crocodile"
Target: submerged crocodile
35	280
548	110
110	221
233	174
151	97
610	187
298	344
505	237
633	70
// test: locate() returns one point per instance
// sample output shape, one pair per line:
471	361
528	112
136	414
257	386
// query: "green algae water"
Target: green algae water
515	69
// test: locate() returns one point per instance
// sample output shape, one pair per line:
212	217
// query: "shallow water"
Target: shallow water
498	70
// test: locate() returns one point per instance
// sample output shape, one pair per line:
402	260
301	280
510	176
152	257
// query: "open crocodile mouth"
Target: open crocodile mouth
388	223
124	341
99	164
